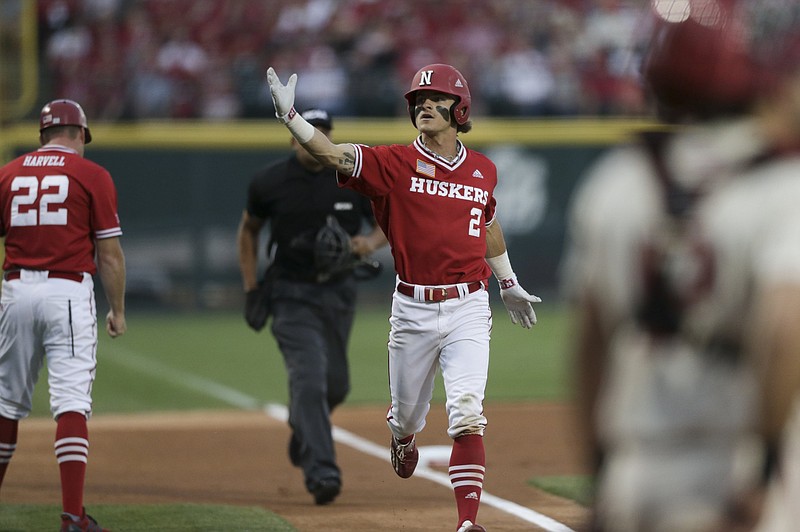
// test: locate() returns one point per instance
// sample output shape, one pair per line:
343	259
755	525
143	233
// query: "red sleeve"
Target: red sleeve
374	170
104	216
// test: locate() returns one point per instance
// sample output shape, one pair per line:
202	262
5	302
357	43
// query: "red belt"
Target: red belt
71	276
436	294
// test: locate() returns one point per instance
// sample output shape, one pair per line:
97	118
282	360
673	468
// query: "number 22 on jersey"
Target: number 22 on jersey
30	208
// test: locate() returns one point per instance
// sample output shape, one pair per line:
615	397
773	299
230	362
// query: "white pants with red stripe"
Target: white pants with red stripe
451	335
48	319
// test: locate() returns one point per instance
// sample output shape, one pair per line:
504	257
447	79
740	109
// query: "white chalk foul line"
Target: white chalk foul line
143	364
154	368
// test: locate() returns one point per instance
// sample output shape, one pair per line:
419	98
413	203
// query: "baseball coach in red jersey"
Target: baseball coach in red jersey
434	201
58	214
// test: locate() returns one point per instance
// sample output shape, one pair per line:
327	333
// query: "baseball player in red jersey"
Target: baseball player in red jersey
434	201
58	211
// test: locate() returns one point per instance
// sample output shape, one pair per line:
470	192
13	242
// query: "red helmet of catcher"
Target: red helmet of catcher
442	78
715	57
64	113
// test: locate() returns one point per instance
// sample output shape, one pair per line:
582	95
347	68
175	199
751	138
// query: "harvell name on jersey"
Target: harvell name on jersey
43	160
433	187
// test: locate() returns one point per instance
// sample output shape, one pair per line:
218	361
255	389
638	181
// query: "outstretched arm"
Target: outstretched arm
337	156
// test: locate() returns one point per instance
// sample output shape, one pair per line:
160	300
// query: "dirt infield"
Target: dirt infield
239	458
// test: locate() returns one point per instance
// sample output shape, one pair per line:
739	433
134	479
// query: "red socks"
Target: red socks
8	443
467	467
72	451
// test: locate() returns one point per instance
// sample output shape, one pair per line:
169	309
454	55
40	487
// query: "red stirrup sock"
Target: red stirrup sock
467	467
8	443
72	452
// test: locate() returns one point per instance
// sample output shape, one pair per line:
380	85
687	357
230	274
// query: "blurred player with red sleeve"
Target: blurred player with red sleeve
684	266
58	214
434	201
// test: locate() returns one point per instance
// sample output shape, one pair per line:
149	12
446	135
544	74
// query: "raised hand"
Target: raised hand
282	95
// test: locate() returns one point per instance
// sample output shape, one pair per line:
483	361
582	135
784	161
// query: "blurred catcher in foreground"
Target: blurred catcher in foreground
685	272
315	254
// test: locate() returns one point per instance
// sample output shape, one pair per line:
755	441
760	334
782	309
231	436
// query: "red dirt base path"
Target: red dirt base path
240	458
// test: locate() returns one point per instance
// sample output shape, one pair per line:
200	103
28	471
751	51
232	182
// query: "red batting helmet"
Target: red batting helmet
713	57
64	113
441	78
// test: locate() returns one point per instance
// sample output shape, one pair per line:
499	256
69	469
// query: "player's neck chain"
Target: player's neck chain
443	157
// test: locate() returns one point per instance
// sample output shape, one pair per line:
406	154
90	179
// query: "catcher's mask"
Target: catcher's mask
710	58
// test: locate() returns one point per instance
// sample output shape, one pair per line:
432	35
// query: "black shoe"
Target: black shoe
294	450
324	491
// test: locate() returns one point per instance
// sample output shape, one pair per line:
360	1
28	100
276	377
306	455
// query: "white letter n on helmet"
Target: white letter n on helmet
425	77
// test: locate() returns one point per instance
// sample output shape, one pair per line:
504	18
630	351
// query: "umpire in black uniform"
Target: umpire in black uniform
309	290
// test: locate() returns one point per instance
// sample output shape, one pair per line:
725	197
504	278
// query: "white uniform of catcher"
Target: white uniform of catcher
677	404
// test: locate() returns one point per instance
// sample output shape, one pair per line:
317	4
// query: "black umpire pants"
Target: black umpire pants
311	324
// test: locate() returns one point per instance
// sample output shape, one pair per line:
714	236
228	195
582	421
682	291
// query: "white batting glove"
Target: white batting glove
283	99
282	95
518	303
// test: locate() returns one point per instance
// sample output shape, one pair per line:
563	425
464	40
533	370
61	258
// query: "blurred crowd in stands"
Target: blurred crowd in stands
159	59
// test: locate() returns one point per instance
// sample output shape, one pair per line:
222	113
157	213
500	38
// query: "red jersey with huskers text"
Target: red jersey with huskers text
433	211
53	205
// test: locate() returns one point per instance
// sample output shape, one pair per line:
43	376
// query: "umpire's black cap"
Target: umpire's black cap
318	118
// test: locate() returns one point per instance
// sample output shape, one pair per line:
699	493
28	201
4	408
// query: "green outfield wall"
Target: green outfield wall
182	189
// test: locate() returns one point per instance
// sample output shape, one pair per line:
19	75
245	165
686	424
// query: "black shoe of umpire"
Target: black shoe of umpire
326	490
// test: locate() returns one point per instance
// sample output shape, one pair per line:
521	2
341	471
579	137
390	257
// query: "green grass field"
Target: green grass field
197	361
173	361
164	518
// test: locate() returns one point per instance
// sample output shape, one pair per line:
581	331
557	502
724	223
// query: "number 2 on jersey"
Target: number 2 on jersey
24	211
474	227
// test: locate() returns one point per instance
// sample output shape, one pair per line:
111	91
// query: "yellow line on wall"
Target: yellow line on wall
250	134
